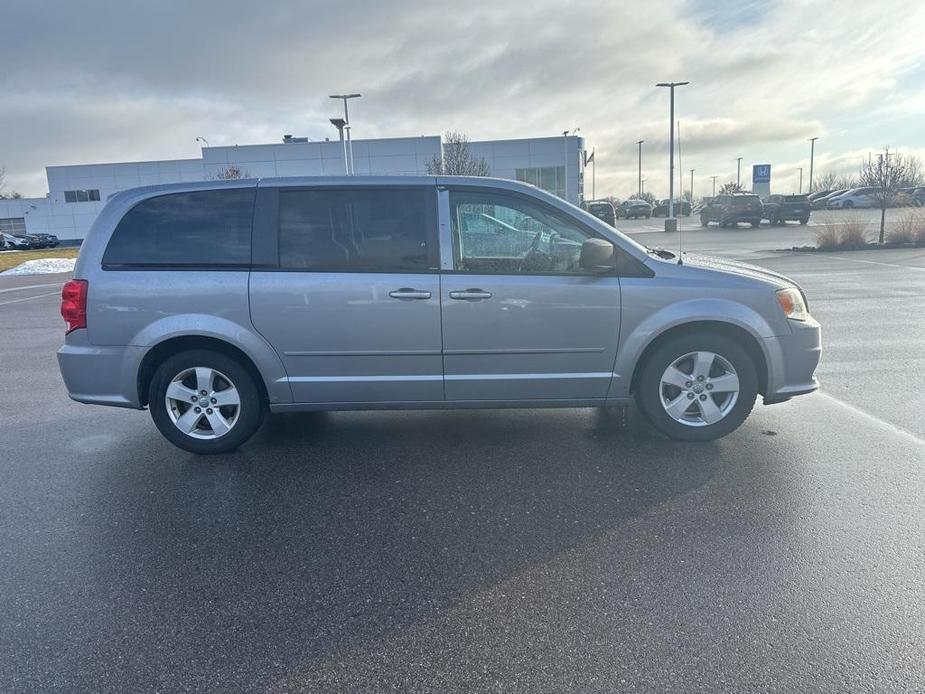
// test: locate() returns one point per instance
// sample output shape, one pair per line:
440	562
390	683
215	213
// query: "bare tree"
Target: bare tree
827	181
231	172
12	195
731	187
834	181
887	173
457	160
915	174
647	196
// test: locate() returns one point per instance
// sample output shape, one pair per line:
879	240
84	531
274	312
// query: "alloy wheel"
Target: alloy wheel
202	402
699	389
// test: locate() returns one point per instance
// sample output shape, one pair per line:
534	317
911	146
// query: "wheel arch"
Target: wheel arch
732	331
174	345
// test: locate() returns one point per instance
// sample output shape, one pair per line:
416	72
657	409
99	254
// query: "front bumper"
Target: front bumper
100	375
792	361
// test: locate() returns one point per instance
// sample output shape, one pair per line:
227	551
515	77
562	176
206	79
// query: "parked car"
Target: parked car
634	209
731	208
210	303
682	208
779	209
820	202
913	196
856	197
818	194
46	240
604	211
17	242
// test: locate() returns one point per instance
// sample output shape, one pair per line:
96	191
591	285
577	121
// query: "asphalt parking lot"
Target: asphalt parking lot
534	550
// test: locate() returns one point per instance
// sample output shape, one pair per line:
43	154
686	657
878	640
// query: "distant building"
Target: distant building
77	193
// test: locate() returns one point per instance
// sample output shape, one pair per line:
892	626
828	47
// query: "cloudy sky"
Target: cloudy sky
84	82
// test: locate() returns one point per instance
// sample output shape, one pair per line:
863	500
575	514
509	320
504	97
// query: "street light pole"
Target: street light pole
738	171
714	185
801	180
812	152
349	146
692	188
339	123
671	224
640	165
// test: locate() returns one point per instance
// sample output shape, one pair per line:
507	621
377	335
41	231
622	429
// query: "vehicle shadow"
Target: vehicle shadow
328	531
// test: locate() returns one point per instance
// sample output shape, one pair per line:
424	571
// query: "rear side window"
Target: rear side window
209	227
795	198
744	200
385	230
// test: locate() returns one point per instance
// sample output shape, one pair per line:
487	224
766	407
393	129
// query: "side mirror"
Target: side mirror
596	255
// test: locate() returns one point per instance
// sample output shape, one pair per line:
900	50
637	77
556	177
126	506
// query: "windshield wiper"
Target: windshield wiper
660	252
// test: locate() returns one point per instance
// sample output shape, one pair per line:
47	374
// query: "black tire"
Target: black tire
804	220
249	413
848	204
755	223
704	222
649	389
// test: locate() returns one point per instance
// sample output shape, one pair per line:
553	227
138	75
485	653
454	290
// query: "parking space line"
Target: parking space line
882	423
31	286
27	298
876	262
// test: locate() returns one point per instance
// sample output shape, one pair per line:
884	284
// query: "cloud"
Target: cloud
98	81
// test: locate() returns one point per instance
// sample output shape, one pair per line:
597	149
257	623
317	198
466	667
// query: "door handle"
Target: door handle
408	293
471	295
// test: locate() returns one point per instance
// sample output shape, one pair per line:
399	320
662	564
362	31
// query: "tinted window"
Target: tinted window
744	200
795	198
495	232
210	227
355	230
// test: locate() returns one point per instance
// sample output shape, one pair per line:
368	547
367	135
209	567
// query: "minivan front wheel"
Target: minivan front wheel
697	387
204	402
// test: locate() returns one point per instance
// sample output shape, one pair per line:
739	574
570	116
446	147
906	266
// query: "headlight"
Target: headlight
792	303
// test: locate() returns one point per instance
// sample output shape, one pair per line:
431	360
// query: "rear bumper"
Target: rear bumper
792	362
100	375
745	216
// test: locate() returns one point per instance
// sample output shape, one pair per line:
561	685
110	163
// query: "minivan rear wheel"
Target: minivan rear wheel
204	402
697	387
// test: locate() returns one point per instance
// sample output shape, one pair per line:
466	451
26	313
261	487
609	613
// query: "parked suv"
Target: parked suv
634	209
211	303
779	209
682	208
603	210
730	209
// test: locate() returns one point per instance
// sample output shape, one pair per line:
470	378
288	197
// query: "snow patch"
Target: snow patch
42	266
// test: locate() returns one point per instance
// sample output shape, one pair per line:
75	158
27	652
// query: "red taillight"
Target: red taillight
74	304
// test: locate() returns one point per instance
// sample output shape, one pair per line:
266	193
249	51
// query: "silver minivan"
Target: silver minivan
211	303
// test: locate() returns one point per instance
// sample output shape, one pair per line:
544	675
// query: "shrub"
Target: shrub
826	237
852	233
909	229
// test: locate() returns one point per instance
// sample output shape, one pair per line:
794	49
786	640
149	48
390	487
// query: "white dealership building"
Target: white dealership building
77	193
